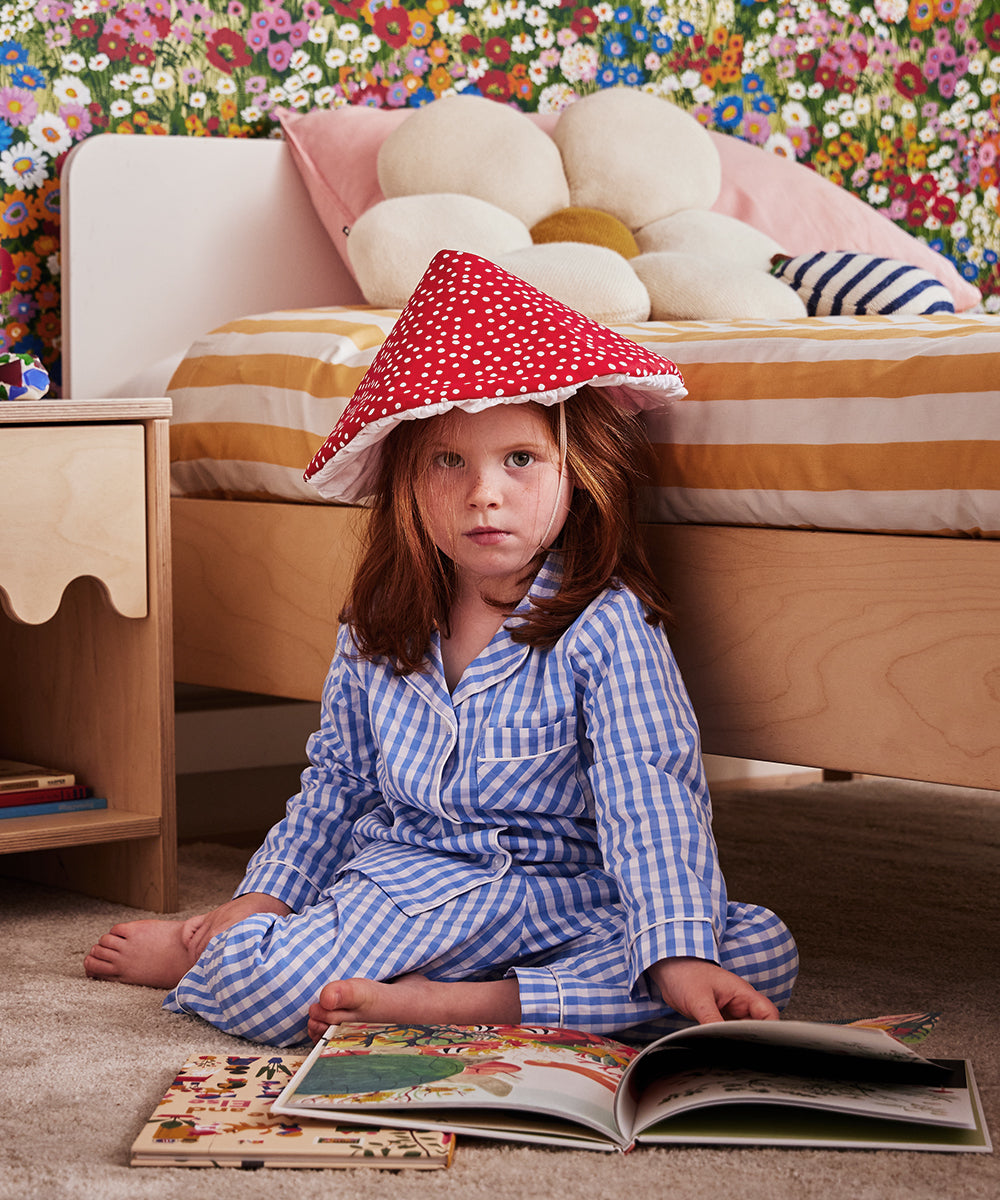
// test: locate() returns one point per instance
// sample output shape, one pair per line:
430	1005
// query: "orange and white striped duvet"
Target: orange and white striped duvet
859	423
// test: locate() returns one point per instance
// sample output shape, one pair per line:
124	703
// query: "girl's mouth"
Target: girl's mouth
487	536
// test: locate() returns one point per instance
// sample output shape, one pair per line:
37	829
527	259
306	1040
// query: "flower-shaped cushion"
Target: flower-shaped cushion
610	214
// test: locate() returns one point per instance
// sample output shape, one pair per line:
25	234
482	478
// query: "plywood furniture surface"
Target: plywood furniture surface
74	503
852	652
85	641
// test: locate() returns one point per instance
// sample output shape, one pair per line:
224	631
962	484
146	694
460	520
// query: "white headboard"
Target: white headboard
164	238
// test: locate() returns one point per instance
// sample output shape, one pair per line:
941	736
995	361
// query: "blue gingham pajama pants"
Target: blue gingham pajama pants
564	938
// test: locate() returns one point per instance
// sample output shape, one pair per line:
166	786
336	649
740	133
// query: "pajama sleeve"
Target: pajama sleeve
651	799
303	853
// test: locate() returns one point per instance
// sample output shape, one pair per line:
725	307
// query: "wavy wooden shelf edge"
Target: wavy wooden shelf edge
34	601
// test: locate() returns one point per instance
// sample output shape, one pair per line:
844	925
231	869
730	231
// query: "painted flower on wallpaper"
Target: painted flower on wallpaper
897	100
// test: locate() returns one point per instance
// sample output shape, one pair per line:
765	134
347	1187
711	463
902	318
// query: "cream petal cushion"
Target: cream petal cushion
636	156
710	235
592	279
474	146
689	287
392	243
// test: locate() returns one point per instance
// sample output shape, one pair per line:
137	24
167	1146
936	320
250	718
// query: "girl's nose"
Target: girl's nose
483	492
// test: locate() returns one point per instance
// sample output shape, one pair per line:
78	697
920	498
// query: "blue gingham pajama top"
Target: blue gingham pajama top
550	818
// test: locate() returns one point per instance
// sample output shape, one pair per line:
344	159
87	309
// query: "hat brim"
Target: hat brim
349	476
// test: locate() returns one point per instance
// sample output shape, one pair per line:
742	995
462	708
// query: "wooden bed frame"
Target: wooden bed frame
850	652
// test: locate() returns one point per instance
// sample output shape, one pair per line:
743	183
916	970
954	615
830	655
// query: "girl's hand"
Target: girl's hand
201	931
706	992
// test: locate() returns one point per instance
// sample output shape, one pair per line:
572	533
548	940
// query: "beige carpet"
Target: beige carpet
890	888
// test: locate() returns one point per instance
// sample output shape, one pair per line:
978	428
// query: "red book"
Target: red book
43	795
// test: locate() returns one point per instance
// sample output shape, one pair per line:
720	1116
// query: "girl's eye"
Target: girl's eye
448	458
520	458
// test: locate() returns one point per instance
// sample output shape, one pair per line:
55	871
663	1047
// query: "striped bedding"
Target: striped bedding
874	423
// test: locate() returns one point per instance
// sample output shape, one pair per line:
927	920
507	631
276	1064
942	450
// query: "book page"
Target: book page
803	1050
855	1041
751	1124
415	1071
945	1105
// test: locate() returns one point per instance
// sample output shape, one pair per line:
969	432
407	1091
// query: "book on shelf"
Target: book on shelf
43	795
760	1083
21	776
50	807
216	1113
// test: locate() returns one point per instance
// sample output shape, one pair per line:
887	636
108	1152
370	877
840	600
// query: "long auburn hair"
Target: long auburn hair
404	586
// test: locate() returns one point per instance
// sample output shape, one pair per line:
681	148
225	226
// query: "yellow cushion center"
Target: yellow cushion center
586	225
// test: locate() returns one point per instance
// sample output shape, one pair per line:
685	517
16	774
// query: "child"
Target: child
505	817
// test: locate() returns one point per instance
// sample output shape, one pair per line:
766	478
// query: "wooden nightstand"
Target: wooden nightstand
86	661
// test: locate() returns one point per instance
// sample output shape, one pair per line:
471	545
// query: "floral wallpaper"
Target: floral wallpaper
897	100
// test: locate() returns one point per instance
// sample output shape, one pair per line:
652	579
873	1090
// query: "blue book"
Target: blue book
54	806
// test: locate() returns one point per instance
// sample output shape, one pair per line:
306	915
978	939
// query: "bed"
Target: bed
872	649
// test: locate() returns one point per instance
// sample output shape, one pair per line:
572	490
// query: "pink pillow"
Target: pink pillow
806	213
336	150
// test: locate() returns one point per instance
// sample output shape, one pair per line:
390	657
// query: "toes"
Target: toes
332	997
122	930
102	951
342	1000
98	968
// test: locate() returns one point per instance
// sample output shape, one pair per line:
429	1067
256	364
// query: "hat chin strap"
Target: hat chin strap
542	545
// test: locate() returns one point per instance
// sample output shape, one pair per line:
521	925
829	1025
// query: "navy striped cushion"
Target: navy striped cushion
841	282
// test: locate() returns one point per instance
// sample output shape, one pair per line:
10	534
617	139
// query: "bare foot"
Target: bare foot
149	953
415	999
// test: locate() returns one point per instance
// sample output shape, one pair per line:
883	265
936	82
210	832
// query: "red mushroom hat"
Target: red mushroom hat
473	336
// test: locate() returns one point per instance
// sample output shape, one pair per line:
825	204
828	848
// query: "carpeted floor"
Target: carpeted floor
890	888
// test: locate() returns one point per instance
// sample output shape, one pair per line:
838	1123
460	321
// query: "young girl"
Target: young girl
505	818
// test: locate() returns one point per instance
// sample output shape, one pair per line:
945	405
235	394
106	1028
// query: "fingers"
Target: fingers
745	1001
199	931
705	1012
763	1009
706	992
199	938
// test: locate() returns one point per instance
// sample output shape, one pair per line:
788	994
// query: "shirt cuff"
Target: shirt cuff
541	999
693	938
282	882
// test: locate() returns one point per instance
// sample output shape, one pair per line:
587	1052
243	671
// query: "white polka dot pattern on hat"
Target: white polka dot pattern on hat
473	334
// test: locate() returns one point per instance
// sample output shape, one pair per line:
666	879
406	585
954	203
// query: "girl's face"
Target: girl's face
493	494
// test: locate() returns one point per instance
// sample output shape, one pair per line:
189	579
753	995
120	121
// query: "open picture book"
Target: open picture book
751	1082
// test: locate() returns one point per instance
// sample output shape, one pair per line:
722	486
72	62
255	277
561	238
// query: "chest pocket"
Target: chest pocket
530	768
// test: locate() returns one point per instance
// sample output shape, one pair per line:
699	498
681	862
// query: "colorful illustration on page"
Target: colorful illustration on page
406	1064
